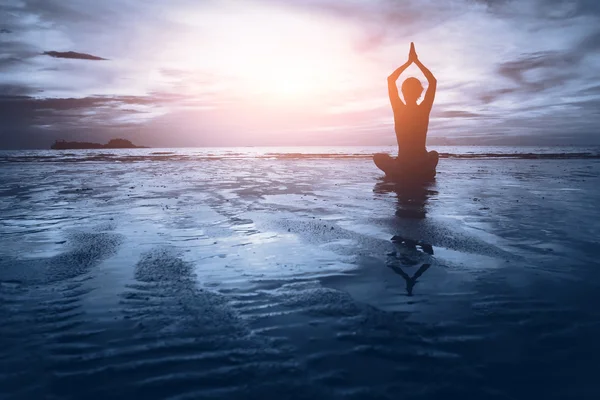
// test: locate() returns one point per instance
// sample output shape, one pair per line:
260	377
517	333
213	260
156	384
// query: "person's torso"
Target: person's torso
411	124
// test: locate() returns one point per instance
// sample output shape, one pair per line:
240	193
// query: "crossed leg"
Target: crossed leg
393	165
385	162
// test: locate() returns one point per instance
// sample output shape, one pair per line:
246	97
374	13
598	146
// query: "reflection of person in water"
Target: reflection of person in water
411	122
411	281
413	197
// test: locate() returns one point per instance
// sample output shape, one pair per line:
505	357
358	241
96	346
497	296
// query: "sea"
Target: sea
299	273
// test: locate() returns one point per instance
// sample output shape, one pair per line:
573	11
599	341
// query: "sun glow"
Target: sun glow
288	80
262	73
269	55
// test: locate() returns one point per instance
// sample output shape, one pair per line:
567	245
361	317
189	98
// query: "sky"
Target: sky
286	72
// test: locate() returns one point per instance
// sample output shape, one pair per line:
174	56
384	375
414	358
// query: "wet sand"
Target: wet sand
277	278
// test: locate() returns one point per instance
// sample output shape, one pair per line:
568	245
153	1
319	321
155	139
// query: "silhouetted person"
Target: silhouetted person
411	121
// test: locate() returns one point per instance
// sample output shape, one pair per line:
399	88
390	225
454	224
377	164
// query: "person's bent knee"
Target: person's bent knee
381	156
434	158
382	161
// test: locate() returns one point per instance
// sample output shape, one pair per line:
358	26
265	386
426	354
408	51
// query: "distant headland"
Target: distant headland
112	144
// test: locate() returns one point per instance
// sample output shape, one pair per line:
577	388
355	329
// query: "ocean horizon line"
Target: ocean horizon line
292	153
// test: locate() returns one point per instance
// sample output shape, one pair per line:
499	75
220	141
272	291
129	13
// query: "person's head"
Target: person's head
412	90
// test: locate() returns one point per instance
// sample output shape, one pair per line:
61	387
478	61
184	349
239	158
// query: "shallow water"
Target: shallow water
278	278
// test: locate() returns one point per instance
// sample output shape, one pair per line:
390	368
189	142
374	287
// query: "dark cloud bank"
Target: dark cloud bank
73	55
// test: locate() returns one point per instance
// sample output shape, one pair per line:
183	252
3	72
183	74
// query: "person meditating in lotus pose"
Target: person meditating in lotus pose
411	121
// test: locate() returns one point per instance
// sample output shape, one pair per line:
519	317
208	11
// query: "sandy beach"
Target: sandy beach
260	278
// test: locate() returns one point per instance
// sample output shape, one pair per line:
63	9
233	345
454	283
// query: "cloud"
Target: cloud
9	90
34	122
456	114
5	31
383	21
551	70
552	10
539	71
592	90
73	55
491	96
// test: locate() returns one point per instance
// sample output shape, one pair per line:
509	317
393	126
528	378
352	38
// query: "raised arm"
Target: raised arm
393	88
430	94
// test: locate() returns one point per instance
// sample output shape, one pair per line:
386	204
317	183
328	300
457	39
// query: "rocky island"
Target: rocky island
112	144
